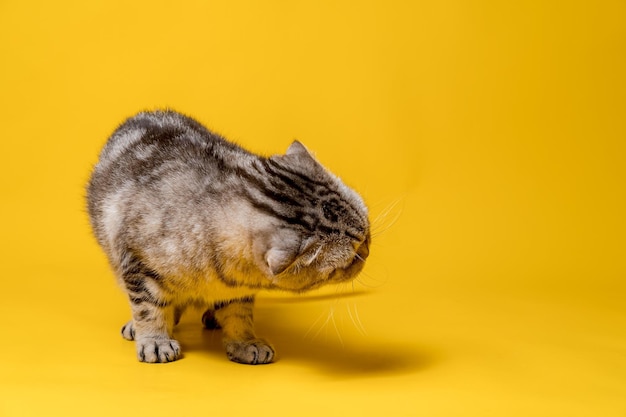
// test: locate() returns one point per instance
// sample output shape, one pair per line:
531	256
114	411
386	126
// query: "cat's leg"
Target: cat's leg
239	338
153	315
178	313
153	325
209	321
128	330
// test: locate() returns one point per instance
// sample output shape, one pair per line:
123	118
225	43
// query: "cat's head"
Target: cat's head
320	235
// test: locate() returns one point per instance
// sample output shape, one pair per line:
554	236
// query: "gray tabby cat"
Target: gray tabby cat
189	219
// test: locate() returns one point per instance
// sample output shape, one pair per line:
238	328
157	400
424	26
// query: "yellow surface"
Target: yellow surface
489	137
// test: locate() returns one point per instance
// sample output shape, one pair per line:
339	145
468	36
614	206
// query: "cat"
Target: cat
187	218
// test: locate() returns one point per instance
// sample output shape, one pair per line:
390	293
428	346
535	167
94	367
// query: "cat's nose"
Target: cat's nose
364	250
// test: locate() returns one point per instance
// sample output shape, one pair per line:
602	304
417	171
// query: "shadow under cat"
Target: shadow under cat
324	349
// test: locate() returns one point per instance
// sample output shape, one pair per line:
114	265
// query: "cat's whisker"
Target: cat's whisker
314	325
365	274
385	212
356	320
342	288
332	317
378	230
324	326
380	224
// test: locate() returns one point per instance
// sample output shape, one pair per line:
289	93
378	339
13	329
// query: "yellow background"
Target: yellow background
488	137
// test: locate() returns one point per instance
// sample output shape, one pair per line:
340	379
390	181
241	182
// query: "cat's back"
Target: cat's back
157	135
156	158
153	144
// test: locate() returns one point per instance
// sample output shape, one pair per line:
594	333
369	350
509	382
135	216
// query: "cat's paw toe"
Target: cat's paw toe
158	350
252	352
128	331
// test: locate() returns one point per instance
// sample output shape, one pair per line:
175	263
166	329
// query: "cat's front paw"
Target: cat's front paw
128	331
251	352
157	350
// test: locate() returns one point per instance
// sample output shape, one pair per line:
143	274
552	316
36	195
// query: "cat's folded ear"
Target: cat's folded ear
277	250
279	259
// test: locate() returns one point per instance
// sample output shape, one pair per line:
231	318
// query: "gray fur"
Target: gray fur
186	217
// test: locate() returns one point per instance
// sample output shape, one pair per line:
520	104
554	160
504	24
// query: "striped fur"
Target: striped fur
188	218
